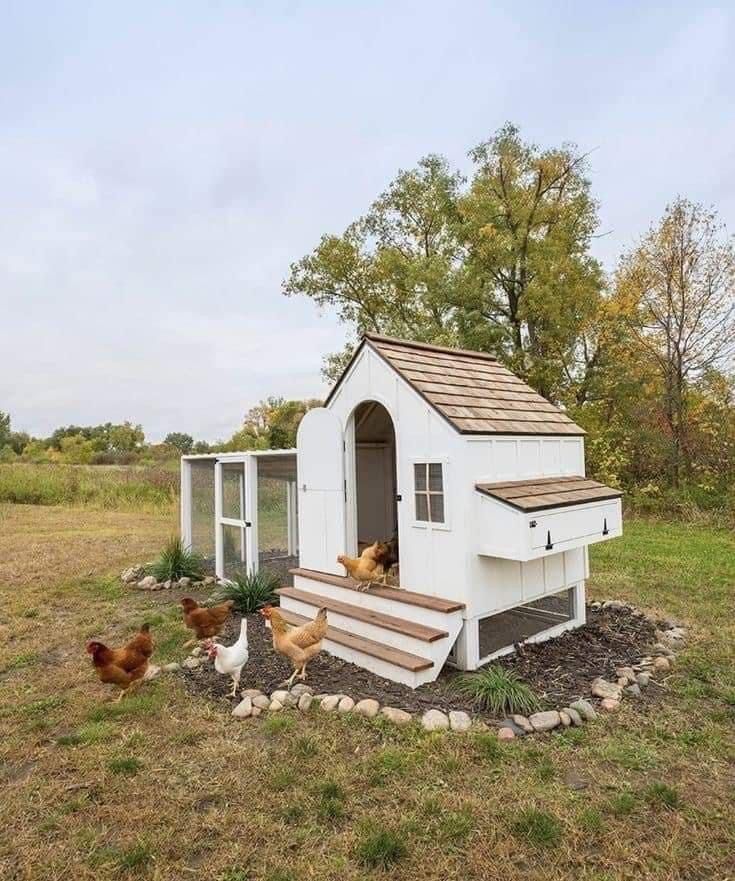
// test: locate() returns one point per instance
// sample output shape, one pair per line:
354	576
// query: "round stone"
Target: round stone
261	701
243	709
506	733
643	679
330	702
459	720
300	688
251	692
545	721
434	720
396	716
522	722
515	727
566	719
368	708
256	711
609	704
192	663
305	701
604	689
275	707
345	705
171	668
279	696
662	664
634	689
585	709
574	716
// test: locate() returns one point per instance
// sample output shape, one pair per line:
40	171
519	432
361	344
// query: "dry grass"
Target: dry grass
167	786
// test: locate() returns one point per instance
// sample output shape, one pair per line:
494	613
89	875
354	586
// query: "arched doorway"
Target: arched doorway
375	510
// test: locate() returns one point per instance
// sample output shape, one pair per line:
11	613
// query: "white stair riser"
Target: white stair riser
379	667
368	600
435	651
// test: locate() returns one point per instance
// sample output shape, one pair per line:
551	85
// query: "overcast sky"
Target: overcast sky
162	164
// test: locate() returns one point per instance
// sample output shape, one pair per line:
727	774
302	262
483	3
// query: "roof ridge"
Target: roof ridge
431	347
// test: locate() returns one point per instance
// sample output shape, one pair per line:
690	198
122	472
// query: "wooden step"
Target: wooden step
359	613
367	646
410	598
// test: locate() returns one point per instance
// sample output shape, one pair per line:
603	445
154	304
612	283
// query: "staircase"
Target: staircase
397	634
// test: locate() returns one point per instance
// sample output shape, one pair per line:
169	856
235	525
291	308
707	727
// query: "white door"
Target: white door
235	537
321	481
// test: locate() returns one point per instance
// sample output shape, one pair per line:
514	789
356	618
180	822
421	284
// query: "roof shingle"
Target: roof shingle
471	390
549	492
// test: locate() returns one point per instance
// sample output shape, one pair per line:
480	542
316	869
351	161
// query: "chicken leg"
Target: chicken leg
235	682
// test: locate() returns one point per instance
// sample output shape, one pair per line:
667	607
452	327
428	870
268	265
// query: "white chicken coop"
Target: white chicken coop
482	482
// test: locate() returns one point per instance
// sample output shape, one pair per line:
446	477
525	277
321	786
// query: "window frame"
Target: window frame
430	524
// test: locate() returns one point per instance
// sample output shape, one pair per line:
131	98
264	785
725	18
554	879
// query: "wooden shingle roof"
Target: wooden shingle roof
471	390
549	492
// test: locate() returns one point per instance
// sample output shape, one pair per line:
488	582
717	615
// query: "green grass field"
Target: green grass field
166	785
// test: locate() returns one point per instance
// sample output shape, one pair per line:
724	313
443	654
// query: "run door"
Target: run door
321	490
235	535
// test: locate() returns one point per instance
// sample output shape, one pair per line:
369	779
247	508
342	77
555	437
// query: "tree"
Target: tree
125	438
395	270
182	442
678	285
271	425
4	429
77	450
502	266
527	222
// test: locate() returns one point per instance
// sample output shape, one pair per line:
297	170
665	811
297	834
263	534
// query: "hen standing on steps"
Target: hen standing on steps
230	659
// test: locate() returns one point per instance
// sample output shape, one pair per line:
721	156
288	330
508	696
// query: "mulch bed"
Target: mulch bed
559	670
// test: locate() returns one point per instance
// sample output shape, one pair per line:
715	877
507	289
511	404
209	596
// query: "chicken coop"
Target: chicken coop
238	511
479	482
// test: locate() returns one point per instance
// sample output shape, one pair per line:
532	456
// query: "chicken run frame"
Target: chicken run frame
479	478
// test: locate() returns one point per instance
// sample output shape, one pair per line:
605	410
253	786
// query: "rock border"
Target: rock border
609	695
135	578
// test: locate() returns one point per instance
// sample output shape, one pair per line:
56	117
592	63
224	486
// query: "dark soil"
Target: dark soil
559	670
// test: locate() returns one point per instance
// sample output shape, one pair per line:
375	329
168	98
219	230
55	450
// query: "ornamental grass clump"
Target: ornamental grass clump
250	591
498	691
175	562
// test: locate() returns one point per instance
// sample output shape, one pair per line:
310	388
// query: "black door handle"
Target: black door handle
605	530
549	545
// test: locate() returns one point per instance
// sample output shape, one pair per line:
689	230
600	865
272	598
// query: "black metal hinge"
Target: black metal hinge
533	524
605	530
549	544
399	498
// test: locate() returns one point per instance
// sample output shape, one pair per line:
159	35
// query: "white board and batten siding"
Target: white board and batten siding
431	555
498	583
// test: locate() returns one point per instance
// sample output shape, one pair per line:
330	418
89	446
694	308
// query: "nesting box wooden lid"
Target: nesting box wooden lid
539	494
471	390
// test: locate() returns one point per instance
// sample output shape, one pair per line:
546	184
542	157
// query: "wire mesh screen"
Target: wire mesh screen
234	551
515	625
277	538
202	510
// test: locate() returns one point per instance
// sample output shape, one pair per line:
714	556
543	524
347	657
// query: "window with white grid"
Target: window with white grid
429	492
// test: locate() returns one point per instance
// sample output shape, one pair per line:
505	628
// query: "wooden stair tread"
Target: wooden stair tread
409	597
367	646
368	616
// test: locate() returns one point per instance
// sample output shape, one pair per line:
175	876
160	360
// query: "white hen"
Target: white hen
230	659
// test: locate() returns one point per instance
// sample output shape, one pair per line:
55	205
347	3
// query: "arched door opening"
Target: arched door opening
376	509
